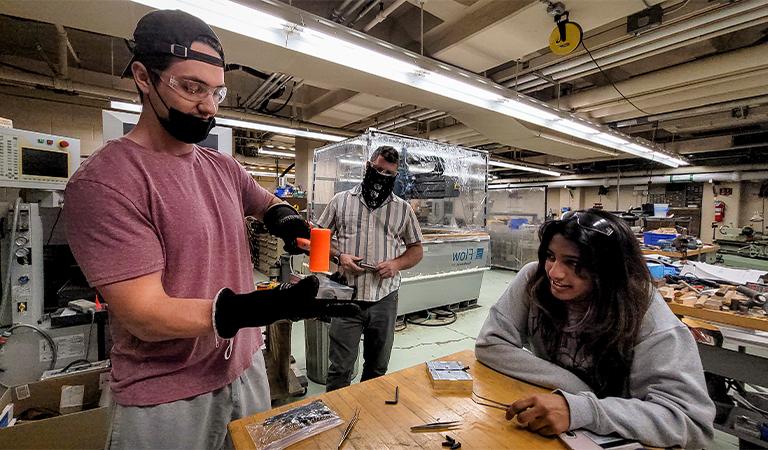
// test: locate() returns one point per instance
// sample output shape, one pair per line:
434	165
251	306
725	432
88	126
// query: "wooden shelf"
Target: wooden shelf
724	317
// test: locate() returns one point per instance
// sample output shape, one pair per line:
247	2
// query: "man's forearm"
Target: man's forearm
410	257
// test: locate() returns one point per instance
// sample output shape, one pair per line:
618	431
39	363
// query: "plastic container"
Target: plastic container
660	209
651	238
657	270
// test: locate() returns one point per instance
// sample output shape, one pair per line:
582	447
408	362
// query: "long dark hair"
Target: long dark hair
621	293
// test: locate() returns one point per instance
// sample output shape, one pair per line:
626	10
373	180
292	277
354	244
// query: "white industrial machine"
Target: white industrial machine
116	124
22	266
34	170
31	160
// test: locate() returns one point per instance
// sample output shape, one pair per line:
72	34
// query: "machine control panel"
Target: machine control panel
37	160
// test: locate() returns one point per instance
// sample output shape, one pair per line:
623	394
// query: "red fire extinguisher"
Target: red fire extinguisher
719	211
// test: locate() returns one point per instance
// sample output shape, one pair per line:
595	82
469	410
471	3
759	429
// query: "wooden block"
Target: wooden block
667	293
699	303
713	304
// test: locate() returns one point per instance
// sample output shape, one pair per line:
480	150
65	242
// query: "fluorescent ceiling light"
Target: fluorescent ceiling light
571	126
352	162
278	154
285	131
563	140
262	26
507	165
124	106
223	121
267	174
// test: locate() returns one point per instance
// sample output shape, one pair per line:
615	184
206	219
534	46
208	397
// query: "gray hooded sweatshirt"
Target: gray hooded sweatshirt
667	403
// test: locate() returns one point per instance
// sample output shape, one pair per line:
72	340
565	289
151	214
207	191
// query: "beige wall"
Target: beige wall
751	203
48	116
628	198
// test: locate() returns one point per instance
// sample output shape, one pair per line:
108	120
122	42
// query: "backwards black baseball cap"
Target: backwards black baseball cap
171	32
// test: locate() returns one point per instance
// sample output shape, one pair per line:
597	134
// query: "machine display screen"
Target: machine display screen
44	163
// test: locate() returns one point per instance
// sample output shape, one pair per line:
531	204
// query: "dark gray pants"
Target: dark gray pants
376	323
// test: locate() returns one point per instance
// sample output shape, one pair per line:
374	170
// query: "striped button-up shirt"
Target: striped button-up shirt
376	236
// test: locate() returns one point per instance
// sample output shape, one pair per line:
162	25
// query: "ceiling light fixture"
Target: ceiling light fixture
223	121
275	153
267	174
492	162
265	27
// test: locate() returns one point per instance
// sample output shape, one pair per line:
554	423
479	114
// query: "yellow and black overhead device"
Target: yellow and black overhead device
566	37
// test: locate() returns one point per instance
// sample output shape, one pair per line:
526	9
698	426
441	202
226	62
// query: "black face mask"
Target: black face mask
183	127
376	187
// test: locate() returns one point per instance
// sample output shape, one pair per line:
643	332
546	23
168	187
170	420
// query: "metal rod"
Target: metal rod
421	40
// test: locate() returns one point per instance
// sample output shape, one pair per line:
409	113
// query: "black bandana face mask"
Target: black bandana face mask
376	186
184	127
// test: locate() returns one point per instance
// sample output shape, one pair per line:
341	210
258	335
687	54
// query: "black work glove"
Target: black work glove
284	222
287	301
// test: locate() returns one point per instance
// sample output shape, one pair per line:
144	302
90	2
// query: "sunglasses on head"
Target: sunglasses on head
589	221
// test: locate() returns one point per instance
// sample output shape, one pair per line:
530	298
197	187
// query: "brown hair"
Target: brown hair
621	293
388	153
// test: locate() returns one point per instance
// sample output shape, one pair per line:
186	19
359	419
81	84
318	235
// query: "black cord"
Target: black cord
438	314
74	363
611	81
50	236
268	111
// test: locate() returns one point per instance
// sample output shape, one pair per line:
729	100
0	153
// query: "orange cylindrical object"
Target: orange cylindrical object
319	250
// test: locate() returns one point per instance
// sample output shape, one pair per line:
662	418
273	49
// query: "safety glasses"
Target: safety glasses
380	171
589	221
192	90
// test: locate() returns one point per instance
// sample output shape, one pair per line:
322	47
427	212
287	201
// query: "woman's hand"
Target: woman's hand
546	414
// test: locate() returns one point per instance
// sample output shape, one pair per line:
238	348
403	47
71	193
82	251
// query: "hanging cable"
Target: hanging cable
54	353
607	78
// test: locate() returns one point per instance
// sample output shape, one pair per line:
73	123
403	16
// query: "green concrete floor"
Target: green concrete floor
417	344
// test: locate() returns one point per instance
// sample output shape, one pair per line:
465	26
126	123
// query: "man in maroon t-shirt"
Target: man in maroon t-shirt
156	224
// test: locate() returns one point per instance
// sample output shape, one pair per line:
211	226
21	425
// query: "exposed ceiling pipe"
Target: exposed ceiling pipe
613	180
725	71
357	5
365	11
336	13
394	121
693	112
734	15
259	90
103	93
428	118
276	84
63	65
266	95
380	17
421	117
448	132
682	171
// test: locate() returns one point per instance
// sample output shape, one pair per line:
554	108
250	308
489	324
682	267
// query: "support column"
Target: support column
305	150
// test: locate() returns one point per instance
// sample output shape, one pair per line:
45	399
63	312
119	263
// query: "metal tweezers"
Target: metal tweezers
437	426
493	404
348	430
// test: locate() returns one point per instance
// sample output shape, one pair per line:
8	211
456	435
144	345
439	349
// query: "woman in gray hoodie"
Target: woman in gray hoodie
601	336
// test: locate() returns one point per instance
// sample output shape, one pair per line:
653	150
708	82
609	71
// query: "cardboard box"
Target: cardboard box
83	424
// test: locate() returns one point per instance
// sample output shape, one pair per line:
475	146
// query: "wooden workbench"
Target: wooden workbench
724	317
384	426
691	253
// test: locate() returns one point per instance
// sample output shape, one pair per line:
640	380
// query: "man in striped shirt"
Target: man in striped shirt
371	226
